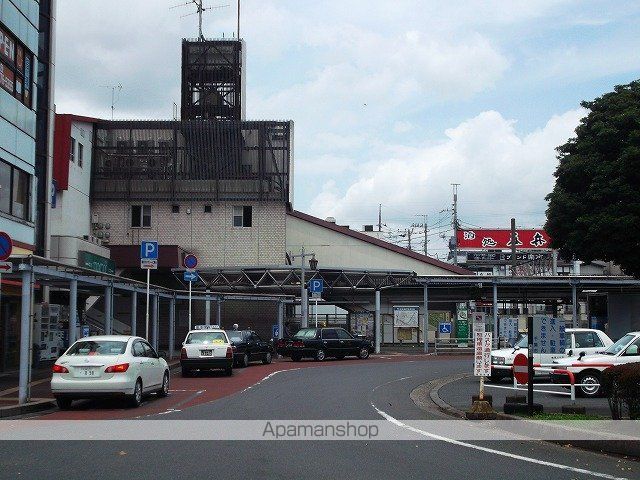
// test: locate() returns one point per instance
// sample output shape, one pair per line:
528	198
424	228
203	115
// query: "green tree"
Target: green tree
594	208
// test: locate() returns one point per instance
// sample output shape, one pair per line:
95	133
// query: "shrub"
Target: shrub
621	385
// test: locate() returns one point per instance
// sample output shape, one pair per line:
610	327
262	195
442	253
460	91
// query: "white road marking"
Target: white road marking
267	378
397	422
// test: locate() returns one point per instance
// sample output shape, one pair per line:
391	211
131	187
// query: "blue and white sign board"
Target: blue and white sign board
444	327
190	261
85	331
316	285
149	250
149	255
548	334
275	331
190	276
508	329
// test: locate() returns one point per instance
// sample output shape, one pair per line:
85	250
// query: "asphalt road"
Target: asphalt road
335	390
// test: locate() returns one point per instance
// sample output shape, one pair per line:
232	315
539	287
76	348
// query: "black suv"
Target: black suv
249	347
320	343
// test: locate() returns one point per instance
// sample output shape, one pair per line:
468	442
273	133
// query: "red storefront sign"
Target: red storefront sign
501	239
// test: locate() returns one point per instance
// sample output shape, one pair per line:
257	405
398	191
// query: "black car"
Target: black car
249	347
320	343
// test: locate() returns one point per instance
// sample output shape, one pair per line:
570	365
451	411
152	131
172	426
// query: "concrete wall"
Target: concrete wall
211	236
72	216
623	314
334	249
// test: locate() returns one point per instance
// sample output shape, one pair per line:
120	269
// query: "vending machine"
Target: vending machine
49	331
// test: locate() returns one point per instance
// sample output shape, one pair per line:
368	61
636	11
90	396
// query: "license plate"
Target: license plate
206	353
88	372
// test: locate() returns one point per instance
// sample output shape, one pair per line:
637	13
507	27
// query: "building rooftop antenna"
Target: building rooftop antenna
200	9
114	97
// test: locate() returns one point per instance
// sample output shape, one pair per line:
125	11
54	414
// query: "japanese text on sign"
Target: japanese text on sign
482	354
548	334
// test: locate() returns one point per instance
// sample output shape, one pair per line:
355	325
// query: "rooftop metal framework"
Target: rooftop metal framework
192	160
212	79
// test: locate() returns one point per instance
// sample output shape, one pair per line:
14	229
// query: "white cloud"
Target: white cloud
500	172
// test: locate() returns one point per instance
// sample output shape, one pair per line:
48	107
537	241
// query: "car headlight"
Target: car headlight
497	360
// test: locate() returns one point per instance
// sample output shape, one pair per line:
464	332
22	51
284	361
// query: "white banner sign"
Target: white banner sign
509	329
482	354
405	316
548	334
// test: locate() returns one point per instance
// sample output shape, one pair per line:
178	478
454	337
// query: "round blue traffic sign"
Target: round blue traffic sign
6	246
190	261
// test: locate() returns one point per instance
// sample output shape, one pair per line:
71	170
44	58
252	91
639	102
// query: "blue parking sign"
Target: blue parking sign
275	331
149	250
316	285
445	327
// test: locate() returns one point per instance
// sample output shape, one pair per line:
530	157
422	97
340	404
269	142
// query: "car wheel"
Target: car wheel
186	372
591	382
228	371
164	390
363	354
267	358
296	358
63	403
320	355
245	361
135	400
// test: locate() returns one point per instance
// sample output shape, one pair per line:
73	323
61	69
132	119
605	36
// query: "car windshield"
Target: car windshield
206	338
234	336
619	345
306	333
97	347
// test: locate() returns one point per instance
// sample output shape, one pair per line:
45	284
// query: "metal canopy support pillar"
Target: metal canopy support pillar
574	301
425	326
25	338
207	310
219	314
134	313
495	311
108	318
280	320
73	310
377	322
154	316
172	325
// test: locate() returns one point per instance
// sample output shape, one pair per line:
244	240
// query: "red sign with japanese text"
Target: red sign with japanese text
501	239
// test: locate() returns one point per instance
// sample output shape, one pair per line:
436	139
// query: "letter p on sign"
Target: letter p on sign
149	250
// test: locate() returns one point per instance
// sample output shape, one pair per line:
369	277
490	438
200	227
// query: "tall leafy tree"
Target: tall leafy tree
594	208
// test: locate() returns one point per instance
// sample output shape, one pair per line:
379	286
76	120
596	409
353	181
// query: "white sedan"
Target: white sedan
107	366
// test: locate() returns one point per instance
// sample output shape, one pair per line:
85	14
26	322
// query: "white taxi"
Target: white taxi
579	341
205	348
109	365
587	369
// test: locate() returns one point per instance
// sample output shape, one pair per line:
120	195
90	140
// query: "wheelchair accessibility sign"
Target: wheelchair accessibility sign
444	327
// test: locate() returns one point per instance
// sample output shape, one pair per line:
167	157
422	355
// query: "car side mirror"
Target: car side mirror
580	355
570	353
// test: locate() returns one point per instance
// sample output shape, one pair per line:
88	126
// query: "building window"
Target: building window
80	154
16	64
72	150
207	209
242	216
175	208
140	216
15	192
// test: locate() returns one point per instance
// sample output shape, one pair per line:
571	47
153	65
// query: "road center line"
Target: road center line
397	422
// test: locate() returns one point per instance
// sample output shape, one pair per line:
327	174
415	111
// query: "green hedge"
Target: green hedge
621	384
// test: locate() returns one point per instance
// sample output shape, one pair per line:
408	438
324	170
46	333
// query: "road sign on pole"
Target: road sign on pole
148	261
190	276
482	354
6	246
6	267
521	369
316	285
190	261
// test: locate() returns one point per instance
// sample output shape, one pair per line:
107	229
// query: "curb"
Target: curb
31	407
616	447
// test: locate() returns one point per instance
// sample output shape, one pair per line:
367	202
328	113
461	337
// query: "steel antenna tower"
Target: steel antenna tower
200	9
114	97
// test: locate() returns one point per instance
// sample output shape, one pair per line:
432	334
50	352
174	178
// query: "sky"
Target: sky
392	101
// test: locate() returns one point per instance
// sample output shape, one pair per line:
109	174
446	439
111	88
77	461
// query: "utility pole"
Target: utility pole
424	226
409	232
455	222
379	217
